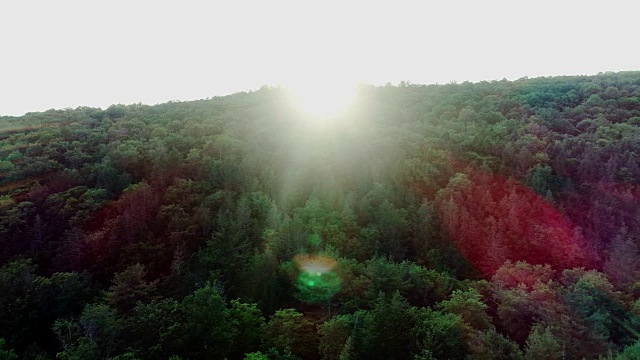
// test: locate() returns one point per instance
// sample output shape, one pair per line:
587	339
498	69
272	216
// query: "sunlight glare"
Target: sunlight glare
322	100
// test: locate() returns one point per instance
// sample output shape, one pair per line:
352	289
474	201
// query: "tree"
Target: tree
490	344
289	330
249	323
334	336
595	301
623	265
631	352
542	344
96	335
129	287
157	328
6	354
389	328
443	334
468	305
16	279
208	326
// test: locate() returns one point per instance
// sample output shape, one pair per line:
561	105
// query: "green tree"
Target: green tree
595	300
96	335
157	328
6	354
129	287
631	352
256	356
289	330
208	327
542	344
443	334
334	336
389	328
490	344
469	306
249	323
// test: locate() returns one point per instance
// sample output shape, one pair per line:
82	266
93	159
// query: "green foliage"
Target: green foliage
630	352
256	356
96	334
442	334
594	298
289	330
158	328
542	180
129	287
416	283
542	344
250	323
389	328
6	166
335	335
469	306
6	354
490	344
208	328
125	356
124	231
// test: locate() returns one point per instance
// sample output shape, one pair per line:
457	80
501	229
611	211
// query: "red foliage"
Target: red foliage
493	219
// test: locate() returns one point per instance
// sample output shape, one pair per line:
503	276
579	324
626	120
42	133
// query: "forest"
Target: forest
488	220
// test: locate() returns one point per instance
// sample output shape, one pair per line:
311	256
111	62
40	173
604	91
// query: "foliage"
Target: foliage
485	220
6	354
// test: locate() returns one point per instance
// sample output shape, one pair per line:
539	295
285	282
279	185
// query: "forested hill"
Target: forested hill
491	220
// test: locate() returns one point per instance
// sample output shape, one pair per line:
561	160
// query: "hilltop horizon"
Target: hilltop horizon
284	86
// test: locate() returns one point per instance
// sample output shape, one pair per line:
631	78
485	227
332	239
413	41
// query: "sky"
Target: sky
58	54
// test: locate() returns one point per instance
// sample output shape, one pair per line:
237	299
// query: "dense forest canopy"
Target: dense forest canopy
491	220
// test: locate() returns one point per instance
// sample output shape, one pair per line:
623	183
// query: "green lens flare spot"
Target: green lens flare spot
317	287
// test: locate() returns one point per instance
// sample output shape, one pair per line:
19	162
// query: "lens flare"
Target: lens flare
493	219
314	264
317	283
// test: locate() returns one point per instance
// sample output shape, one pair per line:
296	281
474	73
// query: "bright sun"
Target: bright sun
322	100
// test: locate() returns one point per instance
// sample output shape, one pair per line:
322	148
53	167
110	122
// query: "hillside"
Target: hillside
491	220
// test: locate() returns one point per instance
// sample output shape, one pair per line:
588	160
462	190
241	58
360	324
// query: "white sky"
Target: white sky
57	54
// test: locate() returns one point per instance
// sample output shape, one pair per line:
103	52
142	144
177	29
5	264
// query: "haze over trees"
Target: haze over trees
491	220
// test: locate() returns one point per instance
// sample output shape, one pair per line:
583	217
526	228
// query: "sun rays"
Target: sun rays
322	100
